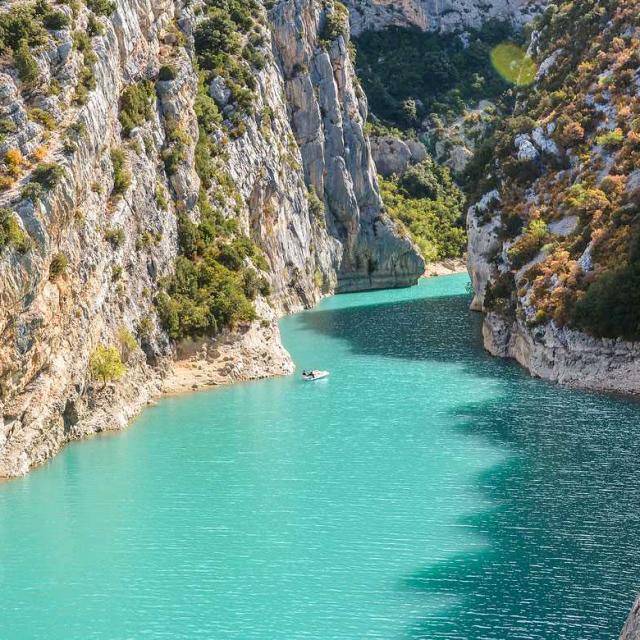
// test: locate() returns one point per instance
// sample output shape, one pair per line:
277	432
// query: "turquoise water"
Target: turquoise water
425	490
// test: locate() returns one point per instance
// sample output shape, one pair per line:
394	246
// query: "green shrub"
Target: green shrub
529	245
136	105
221	48
28	70
94	26
45	118
19	24
336	22
32	191
167	73
56	20
498	294
102	7
610	308
128	344
316	206
48	175
145	328
611	139
7	126
114	236
426	180
58	265
11	233
121	175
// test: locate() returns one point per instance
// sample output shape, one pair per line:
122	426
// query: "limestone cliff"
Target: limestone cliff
93	205
439	15
552	249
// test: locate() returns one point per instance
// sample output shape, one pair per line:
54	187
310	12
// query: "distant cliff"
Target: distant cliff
439	15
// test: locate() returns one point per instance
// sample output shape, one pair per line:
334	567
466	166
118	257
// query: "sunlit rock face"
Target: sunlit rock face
439	15
305	132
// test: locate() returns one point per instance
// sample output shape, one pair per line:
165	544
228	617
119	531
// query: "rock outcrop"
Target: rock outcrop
394	156
631	630
439	15
103	234
565	356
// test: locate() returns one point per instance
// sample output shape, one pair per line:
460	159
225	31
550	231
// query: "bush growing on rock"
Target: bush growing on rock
128	344
227	43
167	73
102	7
55	20
11	234
20	24
28	70
336	22
48	175
45	118
136	106
121	175
528	246
32	191
106	365
58	265
114	236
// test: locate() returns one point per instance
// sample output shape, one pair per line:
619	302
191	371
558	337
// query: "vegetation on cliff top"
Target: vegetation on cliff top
587	104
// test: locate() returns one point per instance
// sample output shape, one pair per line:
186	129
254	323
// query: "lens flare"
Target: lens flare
513	64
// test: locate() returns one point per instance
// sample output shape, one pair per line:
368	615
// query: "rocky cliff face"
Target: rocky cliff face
551	240
439	15
93	209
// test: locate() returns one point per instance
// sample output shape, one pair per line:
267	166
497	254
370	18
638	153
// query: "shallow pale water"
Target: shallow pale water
425	490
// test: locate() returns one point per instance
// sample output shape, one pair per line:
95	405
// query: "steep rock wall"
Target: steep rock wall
439	15
558	211
305	132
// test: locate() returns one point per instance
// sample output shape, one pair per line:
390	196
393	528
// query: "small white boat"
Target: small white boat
314	375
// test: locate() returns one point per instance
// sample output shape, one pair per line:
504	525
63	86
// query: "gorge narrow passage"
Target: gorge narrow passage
425	490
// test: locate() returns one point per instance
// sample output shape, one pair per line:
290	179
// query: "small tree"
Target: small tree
105	364
128	343
28	70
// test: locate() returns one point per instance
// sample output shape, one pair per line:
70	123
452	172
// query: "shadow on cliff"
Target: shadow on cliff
561	557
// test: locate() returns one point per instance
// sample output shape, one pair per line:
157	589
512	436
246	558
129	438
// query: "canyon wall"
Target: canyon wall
439	15
551	244
96	247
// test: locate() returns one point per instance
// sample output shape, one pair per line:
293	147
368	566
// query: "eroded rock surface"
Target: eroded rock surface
439	15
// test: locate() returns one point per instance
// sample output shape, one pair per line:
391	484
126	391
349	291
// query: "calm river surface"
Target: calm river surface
425	490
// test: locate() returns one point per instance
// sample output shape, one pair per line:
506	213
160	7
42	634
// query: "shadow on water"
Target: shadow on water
562	558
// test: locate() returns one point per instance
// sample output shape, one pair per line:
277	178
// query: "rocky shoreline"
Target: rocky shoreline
564	356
